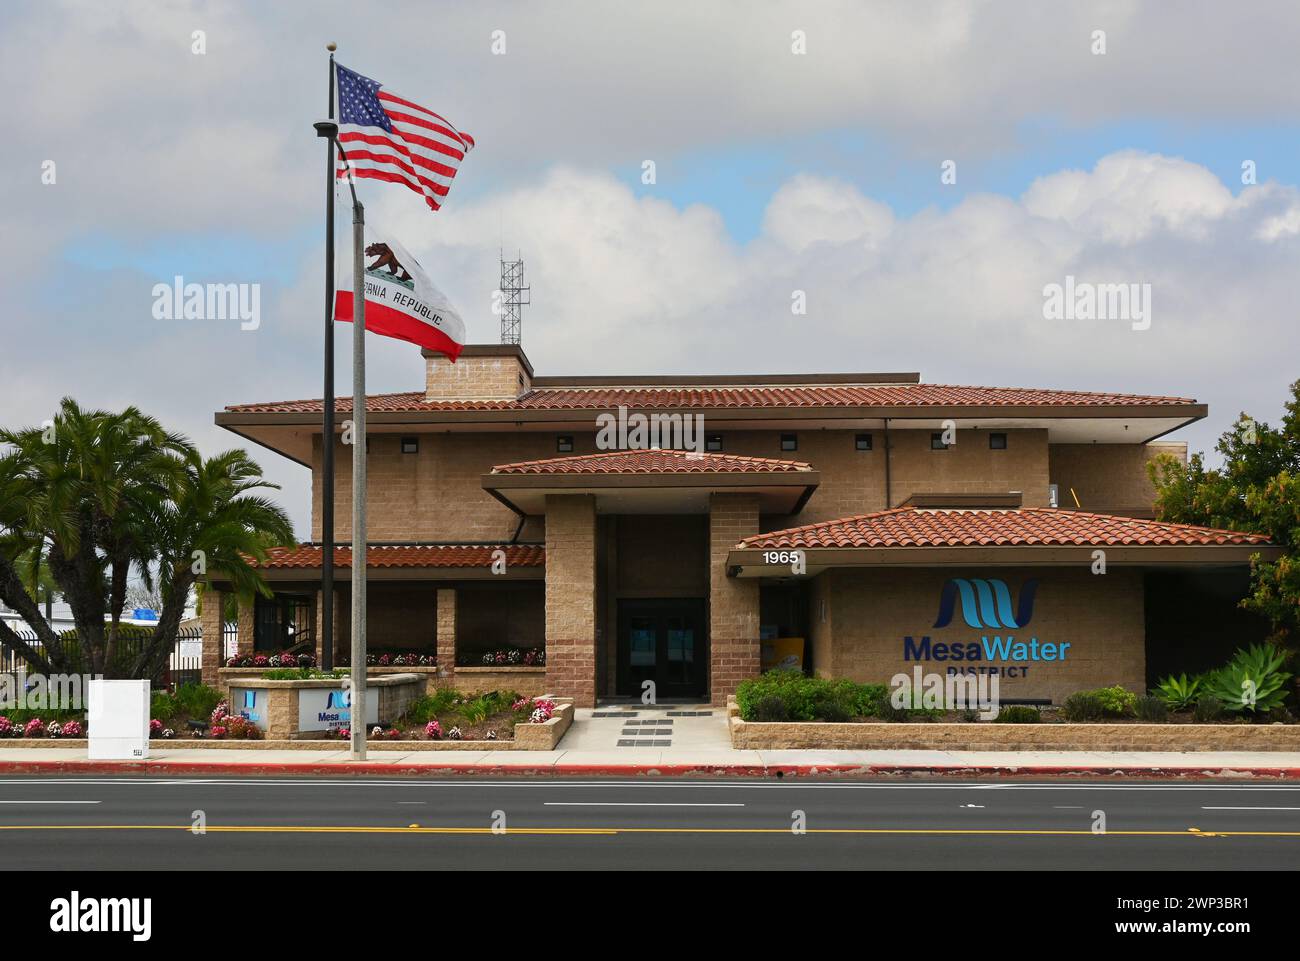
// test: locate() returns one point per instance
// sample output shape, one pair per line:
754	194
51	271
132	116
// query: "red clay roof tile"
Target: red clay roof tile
410	555
651	462
921	527
713	398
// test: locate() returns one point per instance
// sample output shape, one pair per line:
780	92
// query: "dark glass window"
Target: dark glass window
862	442
564	443
410	445
713	442
789	441
997	441
936	442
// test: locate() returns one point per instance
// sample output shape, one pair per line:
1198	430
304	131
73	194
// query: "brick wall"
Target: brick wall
435	494
733	602
1100	616
1109	478
210	622
570	597
499	376
446	629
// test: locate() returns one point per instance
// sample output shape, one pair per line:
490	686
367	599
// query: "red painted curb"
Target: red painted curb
175	768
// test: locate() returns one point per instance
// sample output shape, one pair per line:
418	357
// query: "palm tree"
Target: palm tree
211	521
111	492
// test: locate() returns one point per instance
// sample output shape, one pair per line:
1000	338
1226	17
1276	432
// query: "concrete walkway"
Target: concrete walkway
684	760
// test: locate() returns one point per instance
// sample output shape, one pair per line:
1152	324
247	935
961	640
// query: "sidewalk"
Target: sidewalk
636	762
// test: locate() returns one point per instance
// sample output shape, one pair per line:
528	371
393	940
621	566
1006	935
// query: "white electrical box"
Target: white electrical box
117	719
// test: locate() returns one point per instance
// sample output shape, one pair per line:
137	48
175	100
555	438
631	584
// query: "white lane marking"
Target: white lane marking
49	802
1205	808
641	804
1068	807
980	806
412	802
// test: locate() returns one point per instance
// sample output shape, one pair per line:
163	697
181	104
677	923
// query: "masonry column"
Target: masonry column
733	602
244	638
210	621
445	639
571	597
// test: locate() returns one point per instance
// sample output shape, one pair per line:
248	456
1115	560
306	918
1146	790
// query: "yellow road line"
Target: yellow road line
416	829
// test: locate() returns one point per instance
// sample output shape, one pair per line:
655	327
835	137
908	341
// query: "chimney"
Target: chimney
482	372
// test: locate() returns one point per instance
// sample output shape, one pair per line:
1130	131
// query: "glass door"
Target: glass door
662	641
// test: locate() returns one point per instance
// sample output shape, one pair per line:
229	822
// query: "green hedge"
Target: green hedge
790	696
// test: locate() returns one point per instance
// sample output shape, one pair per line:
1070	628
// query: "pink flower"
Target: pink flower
433	731
155	727
35	728
72	729
217	731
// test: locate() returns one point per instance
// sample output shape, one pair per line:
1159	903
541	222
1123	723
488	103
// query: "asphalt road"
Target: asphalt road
386	824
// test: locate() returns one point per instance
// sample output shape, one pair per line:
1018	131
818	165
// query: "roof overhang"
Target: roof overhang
778	563
779	492
290	433
283	577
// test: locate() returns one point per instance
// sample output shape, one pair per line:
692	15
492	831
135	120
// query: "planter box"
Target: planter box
986	736
428	675
544	737
278	710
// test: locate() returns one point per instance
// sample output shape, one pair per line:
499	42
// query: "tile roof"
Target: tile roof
920	527
652	462
308	556
679	398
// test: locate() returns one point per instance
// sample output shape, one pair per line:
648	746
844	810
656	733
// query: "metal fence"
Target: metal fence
184	666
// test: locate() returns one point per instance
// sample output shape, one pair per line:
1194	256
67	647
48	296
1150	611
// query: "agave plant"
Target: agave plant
1179	693
1252	681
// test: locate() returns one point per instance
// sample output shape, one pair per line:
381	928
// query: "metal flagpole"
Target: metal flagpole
358	711
326	626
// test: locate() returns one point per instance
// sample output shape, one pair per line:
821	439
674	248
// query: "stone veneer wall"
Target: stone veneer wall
570	596
733	601
1100	615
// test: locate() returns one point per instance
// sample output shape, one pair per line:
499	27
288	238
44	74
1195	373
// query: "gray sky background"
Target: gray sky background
775	172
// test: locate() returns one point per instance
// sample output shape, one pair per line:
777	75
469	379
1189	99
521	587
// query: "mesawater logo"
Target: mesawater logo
76	915
986	602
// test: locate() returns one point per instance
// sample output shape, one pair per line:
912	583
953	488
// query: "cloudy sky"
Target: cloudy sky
775	171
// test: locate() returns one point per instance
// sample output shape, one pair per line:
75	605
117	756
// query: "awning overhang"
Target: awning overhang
775	562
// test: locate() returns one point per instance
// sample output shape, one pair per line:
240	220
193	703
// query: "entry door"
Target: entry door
662	641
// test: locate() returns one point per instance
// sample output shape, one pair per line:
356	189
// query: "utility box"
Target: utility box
117	717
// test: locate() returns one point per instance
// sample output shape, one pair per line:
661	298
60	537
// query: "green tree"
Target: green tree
99	494
1257	490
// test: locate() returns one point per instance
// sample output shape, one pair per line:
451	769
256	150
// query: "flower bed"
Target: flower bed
37	728
505	657
450	715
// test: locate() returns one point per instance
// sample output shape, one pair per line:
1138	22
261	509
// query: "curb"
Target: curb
363	768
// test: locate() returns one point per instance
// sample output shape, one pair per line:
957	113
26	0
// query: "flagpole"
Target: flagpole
358	709
327	432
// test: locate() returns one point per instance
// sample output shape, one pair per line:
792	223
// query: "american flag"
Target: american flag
388	138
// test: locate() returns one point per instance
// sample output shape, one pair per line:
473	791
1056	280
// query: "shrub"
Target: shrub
163	706
1208	709
1082	706
1101	703
1178	693
771	708
1018	714
810	698
1252	681
1151	708
196	700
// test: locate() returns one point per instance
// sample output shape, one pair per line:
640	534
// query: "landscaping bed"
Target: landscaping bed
1243	706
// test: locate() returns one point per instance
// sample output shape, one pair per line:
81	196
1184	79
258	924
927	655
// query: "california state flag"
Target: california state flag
401	300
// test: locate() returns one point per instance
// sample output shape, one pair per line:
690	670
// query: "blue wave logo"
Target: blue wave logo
337	700
986	602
